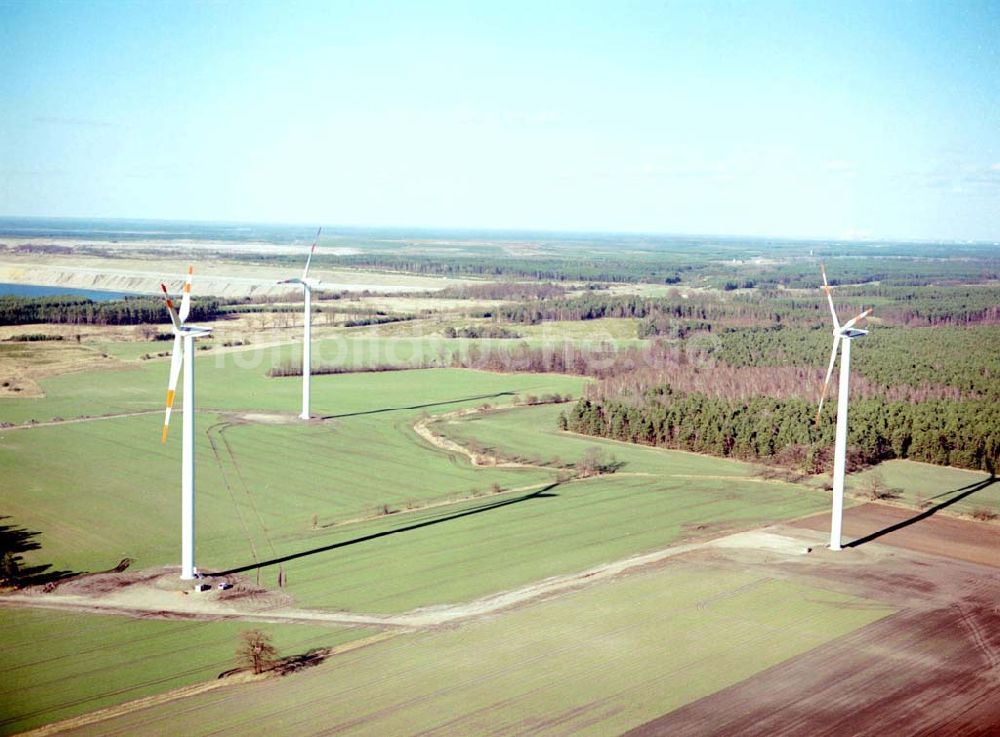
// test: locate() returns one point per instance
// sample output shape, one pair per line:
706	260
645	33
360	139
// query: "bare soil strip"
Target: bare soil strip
976	542
421	428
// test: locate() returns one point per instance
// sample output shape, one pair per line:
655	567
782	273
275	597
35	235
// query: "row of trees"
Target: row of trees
932	306
501	290
492	332
79	311
694	261
939	265
964	434
546	268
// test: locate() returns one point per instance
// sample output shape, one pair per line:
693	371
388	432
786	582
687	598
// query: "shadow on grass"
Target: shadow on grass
960	494
14	541
290	663
419	406
445	517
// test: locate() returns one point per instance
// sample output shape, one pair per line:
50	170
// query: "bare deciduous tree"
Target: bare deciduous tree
255	650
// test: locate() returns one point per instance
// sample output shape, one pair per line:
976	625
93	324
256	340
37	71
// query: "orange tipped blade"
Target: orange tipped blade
175	371
170	307
186	298
829	298
850	323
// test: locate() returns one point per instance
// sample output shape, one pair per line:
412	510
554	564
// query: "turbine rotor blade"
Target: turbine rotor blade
829	297
186	299
175	371
305	272
850	323
829	373
170	307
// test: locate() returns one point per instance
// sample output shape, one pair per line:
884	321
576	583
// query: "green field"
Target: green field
278	495
360	514
102	490
112	494
595	662
57	665
237	381
923	485
533	433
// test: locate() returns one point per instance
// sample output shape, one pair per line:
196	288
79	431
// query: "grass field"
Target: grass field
595	662
923	485
57	665
238	381
361	514
113	495
102	490
533	432
481	547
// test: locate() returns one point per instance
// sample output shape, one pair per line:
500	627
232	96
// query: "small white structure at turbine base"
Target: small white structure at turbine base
183	356
307	285
842	337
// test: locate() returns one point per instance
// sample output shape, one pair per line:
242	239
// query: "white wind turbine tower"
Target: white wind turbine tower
842	337
307	286
184	336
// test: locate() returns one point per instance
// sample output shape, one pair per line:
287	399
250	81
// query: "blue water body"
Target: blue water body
32	290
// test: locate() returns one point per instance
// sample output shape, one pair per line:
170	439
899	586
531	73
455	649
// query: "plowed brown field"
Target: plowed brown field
931	669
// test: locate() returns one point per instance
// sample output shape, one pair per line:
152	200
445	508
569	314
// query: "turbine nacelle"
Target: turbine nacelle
307	283
195	331
851	333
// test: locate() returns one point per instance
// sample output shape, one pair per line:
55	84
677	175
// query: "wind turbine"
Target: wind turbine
184	336
307	286
842	337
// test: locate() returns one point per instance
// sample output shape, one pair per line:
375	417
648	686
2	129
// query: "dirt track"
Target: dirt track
158	593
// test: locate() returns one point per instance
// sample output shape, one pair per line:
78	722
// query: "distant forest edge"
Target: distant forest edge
666	269
954	305
74	310
678	313
725	262
782	431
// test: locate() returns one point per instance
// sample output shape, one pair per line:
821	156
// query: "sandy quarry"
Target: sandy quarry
218	278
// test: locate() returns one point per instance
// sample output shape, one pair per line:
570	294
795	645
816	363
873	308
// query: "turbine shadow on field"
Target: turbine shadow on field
15	540
960	493
418	406
541	493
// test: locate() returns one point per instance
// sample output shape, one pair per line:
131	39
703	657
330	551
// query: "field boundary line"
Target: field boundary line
77	420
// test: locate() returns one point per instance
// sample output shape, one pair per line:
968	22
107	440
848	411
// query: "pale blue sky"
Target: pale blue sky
879	119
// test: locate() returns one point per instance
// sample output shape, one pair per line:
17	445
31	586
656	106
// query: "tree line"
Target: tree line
82	311
782	431
944	306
